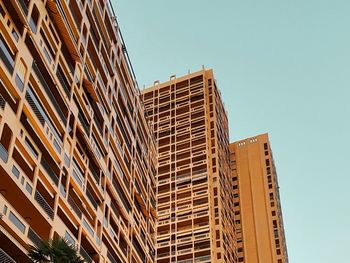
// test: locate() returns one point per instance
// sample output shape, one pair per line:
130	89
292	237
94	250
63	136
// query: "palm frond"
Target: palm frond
58	250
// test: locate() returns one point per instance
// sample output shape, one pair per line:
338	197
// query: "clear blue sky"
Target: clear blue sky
284	68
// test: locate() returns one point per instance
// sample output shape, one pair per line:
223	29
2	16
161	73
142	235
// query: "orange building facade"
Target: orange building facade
259	223
196	216
124	176
76	156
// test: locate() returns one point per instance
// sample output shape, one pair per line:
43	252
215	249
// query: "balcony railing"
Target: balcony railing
139	251
95	173
63	81
74	206
85	255
88	74
91	198
124	247
88	227
111	258
44	205
2	102
41	114
69	238
115	210
49	92
84	123
202	259
78	175
63	190
34	237
94	38
24	6
49	171
98	124
75	18
4	257
122	197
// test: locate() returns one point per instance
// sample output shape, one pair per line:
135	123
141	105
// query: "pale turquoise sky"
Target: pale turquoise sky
283	67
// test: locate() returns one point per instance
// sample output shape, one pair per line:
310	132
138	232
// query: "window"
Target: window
6	55
5	141
21	227
15	171
34	18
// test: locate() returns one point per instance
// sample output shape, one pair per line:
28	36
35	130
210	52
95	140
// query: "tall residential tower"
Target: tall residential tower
76	156
194	201
260	231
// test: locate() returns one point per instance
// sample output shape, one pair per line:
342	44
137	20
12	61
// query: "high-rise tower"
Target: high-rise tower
194	201
259	224
76	156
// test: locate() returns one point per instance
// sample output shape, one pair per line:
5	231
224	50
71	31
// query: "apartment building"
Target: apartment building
194	201
259	223
76	156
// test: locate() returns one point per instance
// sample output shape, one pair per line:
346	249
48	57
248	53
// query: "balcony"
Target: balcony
95	172
24	6
69	238
78	175
64	82
75	207
122	196
111	258
91	198
34	237
85	255
44	205
43	118
98	124
4	257
202	259
139	250
2	102
49	171
48	91
84	123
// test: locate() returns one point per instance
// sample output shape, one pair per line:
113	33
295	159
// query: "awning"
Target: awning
58	16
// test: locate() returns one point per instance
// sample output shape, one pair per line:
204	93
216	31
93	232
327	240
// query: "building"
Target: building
195	210
260	231
76	156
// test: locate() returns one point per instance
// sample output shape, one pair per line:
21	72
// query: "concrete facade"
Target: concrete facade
257	203
194	204
77	159
124	176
